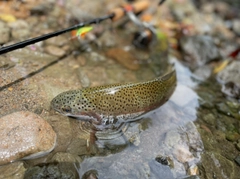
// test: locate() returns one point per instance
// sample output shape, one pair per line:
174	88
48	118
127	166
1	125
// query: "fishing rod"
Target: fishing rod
114	15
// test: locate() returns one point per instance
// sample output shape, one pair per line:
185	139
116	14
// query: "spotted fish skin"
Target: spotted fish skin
110	104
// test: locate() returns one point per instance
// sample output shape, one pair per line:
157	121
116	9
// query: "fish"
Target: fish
109	105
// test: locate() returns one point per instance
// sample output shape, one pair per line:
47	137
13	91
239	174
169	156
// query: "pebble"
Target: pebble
124	58
24	135
4	33
54	50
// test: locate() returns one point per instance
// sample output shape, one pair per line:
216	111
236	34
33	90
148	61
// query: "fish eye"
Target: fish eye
66	109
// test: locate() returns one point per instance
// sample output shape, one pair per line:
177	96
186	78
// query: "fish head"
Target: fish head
69	103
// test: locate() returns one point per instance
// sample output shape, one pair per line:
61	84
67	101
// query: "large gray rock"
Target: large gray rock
24	135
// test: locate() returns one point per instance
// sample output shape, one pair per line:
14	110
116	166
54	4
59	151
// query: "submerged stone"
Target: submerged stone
123	57
12	171
24	135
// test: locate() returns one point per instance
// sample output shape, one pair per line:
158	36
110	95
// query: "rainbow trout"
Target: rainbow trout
114	104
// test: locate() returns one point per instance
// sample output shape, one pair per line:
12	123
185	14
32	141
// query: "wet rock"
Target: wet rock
24	135
123	57
4	33
12	171
199	49
216	165
54	50
231	73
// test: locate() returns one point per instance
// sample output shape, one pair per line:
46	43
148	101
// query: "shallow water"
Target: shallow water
191	134
131	154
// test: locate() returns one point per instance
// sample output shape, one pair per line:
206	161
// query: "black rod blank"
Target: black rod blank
53	34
